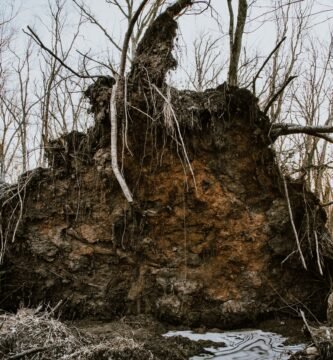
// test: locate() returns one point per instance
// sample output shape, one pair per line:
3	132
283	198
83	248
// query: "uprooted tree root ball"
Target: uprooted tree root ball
208	240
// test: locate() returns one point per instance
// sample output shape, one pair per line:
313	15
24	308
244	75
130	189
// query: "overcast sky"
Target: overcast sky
34	12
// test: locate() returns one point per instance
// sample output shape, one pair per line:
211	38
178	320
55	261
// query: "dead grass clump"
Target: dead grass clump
35	334
119	348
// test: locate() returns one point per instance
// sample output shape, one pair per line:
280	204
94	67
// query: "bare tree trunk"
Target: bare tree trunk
236	39
118	95
2	165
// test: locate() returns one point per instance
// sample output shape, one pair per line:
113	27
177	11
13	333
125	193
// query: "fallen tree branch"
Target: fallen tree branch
307	325
289	129
327	204
280	91
128	37
318	253
30	352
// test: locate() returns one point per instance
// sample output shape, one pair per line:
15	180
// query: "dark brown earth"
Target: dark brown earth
218	251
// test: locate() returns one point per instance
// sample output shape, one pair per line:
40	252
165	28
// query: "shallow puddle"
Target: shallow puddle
246	344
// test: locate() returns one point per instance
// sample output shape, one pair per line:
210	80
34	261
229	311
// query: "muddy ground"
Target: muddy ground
38	335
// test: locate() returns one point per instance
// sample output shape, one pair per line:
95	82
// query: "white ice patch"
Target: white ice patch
243	345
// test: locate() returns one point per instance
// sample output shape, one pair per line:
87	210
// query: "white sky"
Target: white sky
34	12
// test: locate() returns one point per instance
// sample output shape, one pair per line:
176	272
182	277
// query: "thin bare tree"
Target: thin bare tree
209	64
235	38
56	79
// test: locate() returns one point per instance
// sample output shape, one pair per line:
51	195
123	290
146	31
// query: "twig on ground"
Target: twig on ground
31	351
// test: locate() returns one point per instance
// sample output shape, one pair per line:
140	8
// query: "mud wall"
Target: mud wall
208	239
203	252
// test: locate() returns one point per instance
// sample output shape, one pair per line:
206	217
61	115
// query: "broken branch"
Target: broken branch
110	67
289	129
30	352
275	96
37	39
178	7
327	204
264	64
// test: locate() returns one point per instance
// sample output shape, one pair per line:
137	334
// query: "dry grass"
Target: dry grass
35	334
